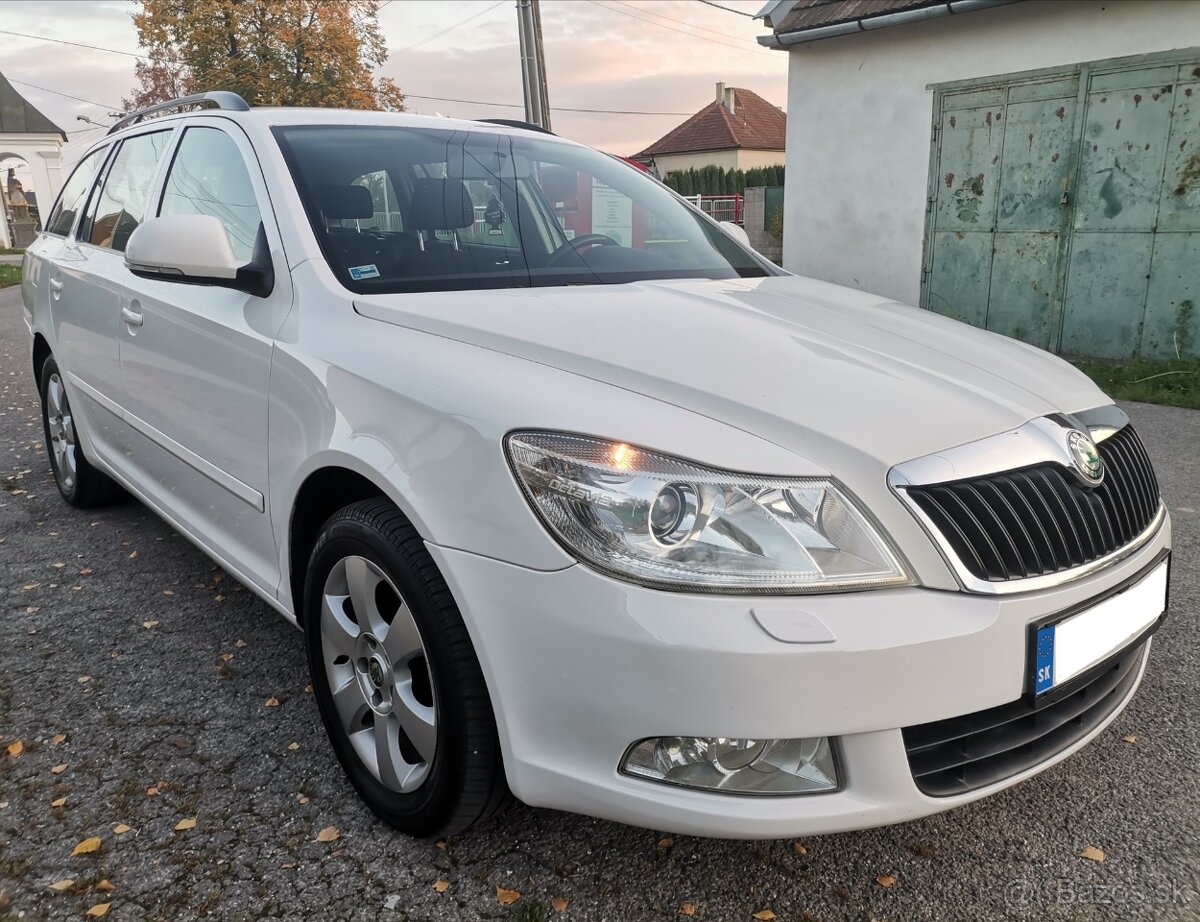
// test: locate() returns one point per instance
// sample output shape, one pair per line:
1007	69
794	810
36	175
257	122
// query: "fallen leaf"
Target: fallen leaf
328	834
86	571
227	656
59	769
559	904
219	598
240	644
58	565
149	625
308	689
85	678
272	702
106	886
120	829
185	824
1131	739
440	843
293	746
687	909
133	556
99	911
441	886
303	798
764	915
61	885
61	802
1091	853
58	738
507	897
666	842
33	610
15	749
885	881
168	593
29	587
798	849
87	846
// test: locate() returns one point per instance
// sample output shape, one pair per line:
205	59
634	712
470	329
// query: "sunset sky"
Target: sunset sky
656	55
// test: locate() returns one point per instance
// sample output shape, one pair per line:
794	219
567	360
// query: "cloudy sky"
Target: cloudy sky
634	55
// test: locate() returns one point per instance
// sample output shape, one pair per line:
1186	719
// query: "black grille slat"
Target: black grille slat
1043	519
962	754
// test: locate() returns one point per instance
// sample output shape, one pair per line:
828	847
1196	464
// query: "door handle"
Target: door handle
131	317
55	285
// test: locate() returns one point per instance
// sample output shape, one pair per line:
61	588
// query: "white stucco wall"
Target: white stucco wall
860	119
731	159
43	153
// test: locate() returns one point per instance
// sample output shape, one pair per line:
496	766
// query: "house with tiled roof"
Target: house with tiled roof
1028	166
27	138
738	130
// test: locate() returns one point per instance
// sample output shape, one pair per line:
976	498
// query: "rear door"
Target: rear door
85	285
196	359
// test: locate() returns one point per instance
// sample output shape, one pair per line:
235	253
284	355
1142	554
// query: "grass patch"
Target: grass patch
11	251
1172	382
10	275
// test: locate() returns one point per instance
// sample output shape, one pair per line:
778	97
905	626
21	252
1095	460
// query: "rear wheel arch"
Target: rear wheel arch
41	352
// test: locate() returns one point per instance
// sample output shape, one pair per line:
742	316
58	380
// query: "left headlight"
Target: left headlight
668	522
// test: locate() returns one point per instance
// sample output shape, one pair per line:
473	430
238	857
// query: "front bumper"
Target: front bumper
580	665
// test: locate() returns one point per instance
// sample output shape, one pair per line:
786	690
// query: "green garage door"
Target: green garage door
1064	208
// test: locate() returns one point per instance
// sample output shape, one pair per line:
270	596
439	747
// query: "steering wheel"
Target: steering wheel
584	240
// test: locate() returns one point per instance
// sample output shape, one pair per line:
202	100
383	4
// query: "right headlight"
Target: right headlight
669	522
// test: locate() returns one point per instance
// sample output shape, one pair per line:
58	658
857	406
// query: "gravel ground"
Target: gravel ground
147	689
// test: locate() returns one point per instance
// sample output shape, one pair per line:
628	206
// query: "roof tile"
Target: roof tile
754	124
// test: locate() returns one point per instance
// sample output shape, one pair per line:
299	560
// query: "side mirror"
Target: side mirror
737	232
195	249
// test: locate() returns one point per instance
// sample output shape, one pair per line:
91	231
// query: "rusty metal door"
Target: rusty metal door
1064	209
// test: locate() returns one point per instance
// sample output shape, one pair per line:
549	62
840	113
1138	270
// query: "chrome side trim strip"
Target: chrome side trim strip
242	491
111	405
1036	442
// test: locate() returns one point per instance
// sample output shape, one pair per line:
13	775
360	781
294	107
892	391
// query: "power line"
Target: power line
727	9
63	41
447	31
692	35
646	12
469	102
46	89
514	105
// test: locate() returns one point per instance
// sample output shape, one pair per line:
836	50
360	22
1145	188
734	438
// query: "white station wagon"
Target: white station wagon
576	496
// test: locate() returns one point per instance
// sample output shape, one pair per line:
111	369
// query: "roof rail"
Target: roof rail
220	98
515	123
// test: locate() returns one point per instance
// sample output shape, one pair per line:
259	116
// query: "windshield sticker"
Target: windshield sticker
364	272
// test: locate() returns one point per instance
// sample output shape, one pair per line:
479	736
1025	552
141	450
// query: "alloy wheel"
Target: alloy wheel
378	673
61	426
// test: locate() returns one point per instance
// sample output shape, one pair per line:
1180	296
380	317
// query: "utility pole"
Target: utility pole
533	63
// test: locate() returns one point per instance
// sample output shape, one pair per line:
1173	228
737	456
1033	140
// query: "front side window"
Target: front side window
422	209
209	177
62	217
118	209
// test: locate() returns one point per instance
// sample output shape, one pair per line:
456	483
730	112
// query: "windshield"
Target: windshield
417	209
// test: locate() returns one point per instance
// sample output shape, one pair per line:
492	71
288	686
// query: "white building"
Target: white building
27	135
1029	166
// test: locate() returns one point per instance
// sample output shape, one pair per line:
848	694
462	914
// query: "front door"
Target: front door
196	362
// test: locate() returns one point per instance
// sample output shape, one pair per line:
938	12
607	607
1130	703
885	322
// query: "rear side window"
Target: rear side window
121	204
62	217
209	177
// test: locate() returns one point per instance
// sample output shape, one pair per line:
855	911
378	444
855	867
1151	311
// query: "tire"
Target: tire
80	484
403	701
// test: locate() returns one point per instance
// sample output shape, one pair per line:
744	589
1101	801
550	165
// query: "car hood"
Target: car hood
834	375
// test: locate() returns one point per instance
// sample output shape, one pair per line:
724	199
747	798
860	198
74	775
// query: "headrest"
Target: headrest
345	202
440	204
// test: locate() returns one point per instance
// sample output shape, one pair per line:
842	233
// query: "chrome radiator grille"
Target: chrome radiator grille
1040	519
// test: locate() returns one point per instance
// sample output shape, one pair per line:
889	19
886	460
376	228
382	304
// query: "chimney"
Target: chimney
726	97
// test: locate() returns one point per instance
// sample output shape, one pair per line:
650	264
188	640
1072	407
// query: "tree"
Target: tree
272	52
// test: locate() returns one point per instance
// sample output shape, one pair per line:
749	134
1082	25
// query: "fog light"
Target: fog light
736	766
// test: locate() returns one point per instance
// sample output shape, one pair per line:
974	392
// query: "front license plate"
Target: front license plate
1071	646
